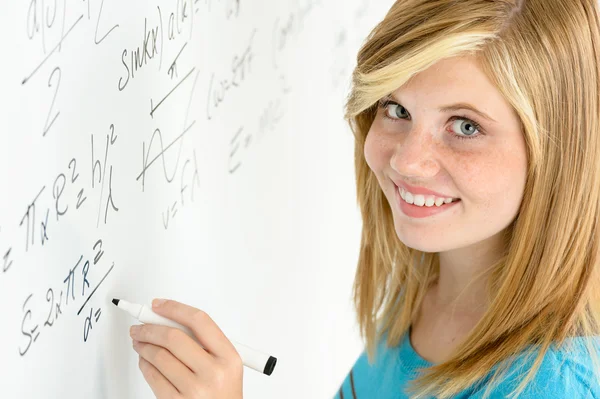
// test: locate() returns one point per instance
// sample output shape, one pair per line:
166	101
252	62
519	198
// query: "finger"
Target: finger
181	345
204	328
161	387
172	369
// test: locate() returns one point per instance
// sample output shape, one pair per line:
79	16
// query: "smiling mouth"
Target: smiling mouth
424	200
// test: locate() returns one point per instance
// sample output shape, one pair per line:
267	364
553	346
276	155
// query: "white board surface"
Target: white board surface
193	150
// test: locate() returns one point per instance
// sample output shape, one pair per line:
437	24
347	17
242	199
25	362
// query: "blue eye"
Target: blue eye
395	109
471	128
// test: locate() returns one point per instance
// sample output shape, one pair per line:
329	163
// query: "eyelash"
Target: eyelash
382	104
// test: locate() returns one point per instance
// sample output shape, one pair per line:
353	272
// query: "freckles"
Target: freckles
375	151
482	177
492	178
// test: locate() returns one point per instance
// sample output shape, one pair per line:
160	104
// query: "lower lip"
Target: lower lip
415	211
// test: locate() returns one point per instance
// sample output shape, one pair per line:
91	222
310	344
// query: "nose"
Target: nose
414	155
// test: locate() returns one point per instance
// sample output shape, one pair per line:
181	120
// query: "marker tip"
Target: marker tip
115	301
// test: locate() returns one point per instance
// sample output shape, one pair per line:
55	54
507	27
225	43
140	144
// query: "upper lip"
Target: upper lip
420	190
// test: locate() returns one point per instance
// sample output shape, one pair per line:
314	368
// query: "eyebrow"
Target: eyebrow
456	107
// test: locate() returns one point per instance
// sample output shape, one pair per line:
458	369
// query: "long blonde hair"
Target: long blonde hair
543	56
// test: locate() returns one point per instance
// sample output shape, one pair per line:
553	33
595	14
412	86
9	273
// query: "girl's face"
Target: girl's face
480	163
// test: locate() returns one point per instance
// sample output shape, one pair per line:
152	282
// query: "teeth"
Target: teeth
422	200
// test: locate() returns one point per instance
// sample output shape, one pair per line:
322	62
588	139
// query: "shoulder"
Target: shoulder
563	374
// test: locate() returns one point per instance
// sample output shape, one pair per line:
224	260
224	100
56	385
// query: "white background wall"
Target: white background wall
234	193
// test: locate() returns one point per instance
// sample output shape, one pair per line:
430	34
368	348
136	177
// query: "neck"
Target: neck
463	275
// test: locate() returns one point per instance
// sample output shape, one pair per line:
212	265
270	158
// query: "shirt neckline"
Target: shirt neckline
410	358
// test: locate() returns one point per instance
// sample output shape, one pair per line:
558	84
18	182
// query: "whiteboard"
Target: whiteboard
193	150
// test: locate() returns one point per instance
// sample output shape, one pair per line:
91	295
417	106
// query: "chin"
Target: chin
421	243
423	247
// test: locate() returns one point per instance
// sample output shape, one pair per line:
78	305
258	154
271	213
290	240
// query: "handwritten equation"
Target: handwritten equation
61	298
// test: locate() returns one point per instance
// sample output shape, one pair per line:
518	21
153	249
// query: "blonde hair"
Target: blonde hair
542	55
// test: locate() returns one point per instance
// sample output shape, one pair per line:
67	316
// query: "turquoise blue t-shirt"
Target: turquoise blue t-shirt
561	375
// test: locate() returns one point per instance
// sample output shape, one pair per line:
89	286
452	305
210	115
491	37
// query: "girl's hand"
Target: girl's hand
175	366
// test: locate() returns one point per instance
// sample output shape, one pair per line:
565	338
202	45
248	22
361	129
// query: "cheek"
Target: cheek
494	181
376	152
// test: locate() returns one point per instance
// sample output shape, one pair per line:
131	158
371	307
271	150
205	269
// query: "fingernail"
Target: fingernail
157	302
